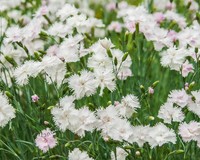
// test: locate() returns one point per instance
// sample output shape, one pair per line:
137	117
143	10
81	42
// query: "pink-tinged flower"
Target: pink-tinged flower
189	131
35	98
131	26
53	50
111	6
116	103
169	6
172	35
151	90
159	17
186	86
115	26
186	69
179	97
45	140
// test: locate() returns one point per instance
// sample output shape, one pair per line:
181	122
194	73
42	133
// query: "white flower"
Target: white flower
128	105
32	29
106	43
173	58
130	101
59	29
82	120
86	26
69	49
194	106
99	32
43	10
76	154
67	101
105	79
100	61
76	20
54	68
169	113
62	115
160	135
190	131
28	69
141	135
187	68
7	112
115	26
106	116
14	34
179	97
66	11
83	85
120	154
120	129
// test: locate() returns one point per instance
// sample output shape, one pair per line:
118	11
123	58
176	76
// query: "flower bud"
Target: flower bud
46	123
109	53
155	84
37	56
196	50
67	144
137	153
151	118
11	61
179	151
35	98
115	61
189	4
151	90
191	85
8	94
124	56
109	103
50	107
142	88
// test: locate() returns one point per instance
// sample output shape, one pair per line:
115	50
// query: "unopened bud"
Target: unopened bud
46	123
50	107
191	85
91	106
137	153
8	94
151	90
189	4
186	86
155	84
179	151
142	88
196	50
11	61
151	118
67	144
109	53
124	56
37	56
115	61
109	103
106	138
